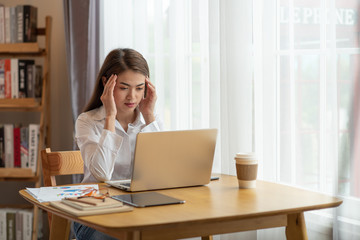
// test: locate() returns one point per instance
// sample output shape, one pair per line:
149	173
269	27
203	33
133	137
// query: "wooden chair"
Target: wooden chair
58	164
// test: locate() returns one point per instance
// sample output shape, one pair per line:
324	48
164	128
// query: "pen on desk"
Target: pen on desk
82	201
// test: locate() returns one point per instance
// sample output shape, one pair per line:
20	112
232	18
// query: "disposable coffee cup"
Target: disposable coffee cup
246	169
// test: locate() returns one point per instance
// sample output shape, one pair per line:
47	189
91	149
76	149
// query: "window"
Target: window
308	97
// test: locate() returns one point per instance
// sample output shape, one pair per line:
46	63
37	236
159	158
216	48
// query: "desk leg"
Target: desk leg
296	227
207	238
60	228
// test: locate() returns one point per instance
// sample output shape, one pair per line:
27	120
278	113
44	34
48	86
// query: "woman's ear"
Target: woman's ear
103	80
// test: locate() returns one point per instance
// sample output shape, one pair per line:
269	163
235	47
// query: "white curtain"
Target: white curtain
307	93
274	76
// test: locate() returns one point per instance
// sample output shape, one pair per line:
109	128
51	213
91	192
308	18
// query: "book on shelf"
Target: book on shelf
9	145
30	72
14	65
12	23
2	224
19	145
16	223
30	23
27	224
10	225
34	130
2	78
22	92
38	81
18	23
19	225
7	69
17	141
2	147
24	76
20	78
7	25
24	146
2	23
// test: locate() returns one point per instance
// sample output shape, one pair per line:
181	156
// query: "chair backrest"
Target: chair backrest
60	163
57	164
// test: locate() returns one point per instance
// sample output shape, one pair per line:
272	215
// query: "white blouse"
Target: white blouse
108	155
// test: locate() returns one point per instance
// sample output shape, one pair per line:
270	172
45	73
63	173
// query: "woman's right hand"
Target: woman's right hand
107	98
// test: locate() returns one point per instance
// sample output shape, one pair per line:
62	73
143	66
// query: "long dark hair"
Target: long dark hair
116	62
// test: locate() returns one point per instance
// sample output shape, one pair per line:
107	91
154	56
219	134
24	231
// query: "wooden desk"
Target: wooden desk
217	208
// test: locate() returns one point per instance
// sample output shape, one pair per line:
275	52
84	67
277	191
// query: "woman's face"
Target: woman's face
129	91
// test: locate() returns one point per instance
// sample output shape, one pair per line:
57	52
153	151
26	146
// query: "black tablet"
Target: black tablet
147	199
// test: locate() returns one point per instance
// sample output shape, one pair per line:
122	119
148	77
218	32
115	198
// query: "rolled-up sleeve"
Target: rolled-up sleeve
155	126
99	148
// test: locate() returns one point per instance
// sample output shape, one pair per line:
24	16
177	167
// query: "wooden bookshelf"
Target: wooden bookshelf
30	48
41	106
17	174
20	104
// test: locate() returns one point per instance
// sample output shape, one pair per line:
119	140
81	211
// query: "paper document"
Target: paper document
47	194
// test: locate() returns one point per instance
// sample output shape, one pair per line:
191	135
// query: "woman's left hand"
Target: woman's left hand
147	105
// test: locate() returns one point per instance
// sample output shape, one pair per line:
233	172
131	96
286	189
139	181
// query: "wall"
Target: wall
61	118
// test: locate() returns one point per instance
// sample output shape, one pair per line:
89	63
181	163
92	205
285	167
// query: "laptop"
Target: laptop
171	159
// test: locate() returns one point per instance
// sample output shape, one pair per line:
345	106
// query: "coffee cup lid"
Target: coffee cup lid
245	155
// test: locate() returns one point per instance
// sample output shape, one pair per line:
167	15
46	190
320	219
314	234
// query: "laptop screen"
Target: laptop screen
172	159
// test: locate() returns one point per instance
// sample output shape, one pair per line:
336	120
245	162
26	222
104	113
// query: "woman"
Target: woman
122	105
